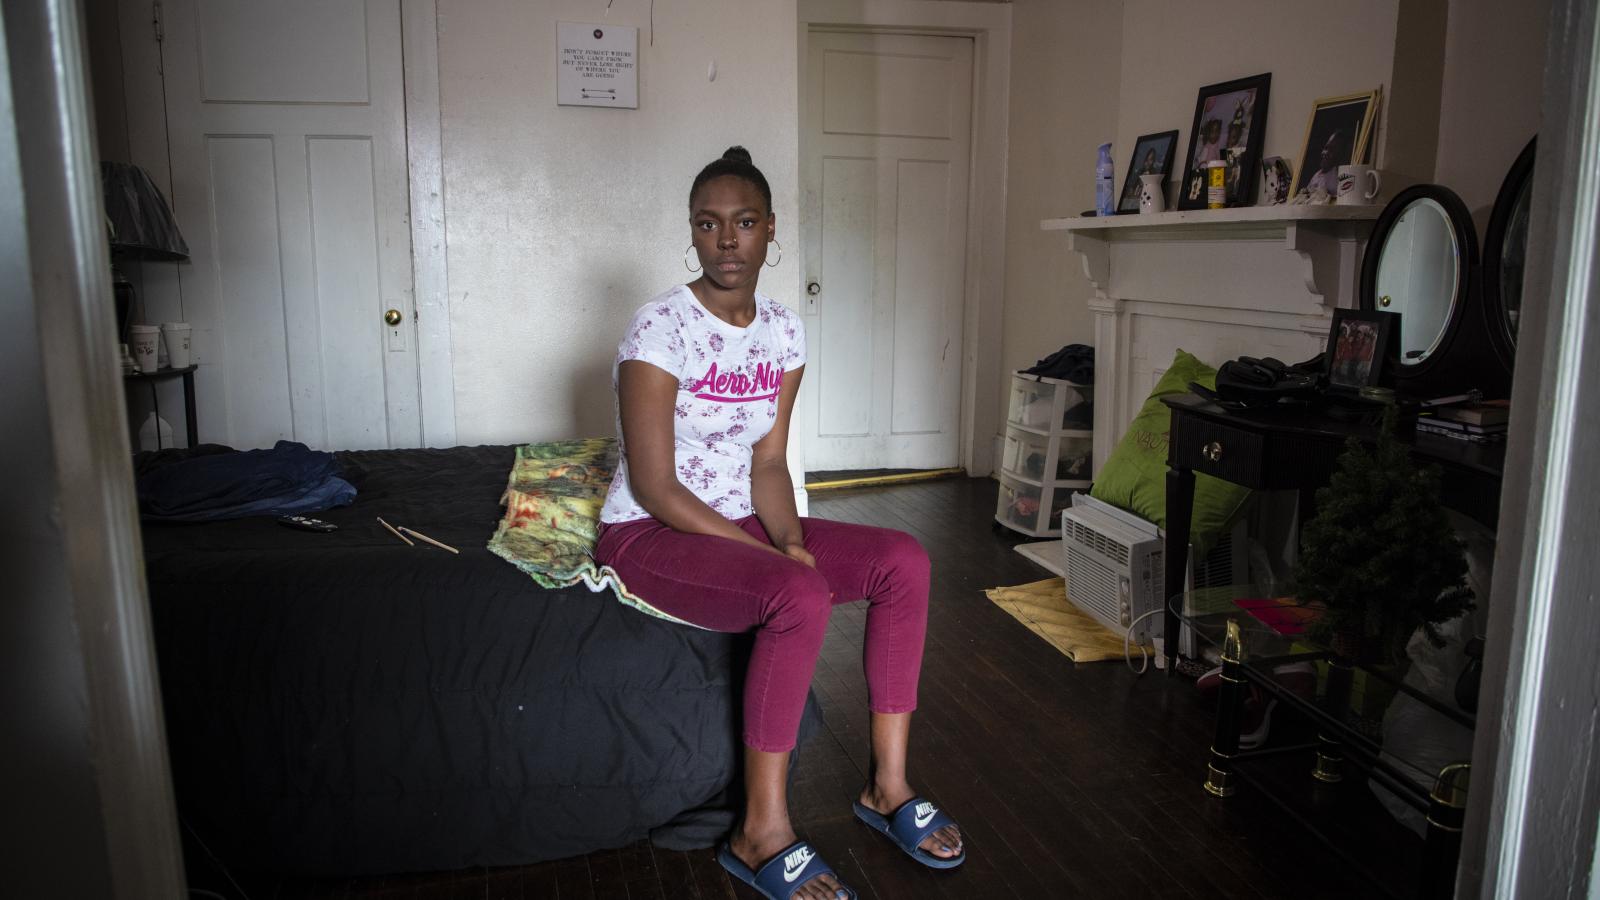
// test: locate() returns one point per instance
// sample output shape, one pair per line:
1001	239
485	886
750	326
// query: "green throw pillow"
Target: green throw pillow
1135	477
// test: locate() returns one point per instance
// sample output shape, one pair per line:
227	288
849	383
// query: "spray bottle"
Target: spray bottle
1104	195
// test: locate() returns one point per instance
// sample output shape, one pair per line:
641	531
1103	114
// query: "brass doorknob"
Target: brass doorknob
1385	300
392	317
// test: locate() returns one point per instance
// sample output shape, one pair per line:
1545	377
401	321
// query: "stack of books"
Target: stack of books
1483	423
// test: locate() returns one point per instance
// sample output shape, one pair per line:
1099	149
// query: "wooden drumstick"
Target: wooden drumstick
422	537
395	533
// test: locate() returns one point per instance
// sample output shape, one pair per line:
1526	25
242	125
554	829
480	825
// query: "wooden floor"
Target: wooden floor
1067	780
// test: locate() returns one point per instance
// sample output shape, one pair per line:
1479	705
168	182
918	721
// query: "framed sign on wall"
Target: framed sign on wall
597	65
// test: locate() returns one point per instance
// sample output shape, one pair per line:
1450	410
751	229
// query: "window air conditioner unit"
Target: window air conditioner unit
1116	569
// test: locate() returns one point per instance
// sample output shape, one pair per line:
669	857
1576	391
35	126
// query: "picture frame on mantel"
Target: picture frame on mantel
1152	155
1230	124
1338	133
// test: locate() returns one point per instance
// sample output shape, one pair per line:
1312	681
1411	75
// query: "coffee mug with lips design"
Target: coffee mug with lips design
1358	185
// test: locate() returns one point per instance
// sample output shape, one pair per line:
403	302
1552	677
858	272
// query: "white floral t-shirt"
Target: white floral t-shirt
728	382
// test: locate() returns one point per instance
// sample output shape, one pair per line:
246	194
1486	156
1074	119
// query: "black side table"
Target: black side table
187	373
1294	449
1297	449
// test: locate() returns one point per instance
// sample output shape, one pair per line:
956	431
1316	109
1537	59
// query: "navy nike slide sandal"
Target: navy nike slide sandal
909	826
782	875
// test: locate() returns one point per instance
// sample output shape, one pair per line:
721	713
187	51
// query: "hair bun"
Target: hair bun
738	154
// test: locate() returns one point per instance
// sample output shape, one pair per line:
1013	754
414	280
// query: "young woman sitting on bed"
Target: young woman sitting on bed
700	521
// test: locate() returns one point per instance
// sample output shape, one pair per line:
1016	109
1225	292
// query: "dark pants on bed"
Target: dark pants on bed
724	585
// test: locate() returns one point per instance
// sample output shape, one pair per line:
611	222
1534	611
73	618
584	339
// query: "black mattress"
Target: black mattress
342	703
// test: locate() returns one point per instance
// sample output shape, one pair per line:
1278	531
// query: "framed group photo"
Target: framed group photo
1152	155
1230	123
1338	134
1361	348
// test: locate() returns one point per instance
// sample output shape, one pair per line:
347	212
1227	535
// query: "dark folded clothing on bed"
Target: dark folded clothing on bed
289	479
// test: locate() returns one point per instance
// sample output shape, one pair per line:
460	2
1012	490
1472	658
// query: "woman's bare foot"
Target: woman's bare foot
754	848
884	800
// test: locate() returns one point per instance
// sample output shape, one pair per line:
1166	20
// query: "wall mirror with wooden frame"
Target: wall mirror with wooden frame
1505	247
1458	313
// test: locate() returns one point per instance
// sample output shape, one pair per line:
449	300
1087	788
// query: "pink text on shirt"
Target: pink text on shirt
737	387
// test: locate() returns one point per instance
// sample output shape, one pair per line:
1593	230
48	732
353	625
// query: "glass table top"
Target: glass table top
1405	715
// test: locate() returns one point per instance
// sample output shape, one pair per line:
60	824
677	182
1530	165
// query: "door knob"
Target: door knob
813	288
392	317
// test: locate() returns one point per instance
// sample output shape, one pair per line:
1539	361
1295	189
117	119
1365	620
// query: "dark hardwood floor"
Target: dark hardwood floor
1067	780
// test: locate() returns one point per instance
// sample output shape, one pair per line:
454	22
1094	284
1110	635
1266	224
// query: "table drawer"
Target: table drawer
1232	454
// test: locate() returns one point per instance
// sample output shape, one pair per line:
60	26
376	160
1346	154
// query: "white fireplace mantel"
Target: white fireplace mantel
1253	281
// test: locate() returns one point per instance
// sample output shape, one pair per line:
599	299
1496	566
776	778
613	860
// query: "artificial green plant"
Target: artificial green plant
1380	553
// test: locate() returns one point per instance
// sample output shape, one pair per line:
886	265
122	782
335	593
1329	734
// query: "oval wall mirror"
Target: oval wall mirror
1420	262
1505	247
1419	277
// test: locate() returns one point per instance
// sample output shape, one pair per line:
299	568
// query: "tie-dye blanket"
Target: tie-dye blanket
552	518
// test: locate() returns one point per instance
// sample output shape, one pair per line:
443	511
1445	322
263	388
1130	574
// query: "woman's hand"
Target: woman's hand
800	553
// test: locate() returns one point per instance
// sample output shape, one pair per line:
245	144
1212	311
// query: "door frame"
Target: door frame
1530	827
96	753
430	282
983	293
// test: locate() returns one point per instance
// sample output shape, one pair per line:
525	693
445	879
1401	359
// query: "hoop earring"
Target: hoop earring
774	265
686	258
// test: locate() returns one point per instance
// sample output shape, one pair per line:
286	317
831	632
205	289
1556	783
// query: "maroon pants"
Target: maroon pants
725	585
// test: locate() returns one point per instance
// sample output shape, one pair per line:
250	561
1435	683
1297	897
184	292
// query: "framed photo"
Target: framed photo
1361	348
1338	134
1230	122
1152	155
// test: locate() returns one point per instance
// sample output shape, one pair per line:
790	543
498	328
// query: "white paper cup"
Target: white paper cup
142	341
176	336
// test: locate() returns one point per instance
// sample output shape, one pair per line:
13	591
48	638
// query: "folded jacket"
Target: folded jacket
289	478
1074	362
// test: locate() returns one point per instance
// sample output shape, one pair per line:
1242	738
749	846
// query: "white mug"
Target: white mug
1352	179
1152	193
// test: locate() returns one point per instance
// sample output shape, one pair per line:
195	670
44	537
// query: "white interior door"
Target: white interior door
886	146
286	134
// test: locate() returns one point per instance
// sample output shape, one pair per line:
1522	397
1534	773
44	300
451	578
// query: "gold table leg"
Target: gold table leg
1441	849
1330	753
1230	703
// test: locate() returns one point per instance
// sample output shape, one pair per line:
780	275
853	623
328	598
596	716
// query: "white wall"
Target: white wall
561	221
1113	70
1312	50
1493	81
1064	105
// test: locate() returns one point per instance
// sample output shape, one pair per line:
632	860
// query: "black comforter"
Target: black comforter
342	703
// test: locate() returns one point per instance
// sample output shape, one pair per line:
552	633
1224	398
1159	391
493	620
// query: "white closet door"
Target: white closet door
886	158
286	129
